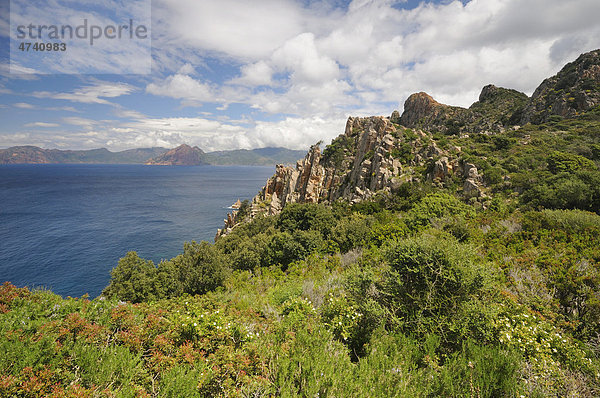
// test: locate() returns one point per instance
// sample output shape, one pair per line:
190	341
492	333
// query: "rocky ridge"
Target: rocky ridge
496	110
373	156
575	89
377	154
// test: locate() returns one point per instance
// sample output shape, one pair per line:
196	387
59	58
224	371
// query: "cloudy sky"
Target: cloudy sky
228	74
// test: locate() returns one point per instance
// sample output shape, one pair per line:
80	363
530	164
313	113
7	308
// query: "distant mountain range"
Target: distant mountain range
254	157
34	154
182	155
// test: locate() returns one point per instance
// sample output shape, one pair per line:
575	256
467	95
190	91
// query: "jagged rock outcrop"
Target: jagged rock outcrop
421	110
374	155
442	169
472	186
236	205
356	165
183	155
575	89
496	109
301	183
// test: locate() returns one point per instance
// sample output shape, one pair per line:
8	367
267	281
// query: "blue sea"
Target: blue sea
64	227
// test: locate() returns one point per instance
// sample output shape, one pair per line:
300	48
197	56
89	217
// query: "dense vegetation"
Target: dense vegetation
413	294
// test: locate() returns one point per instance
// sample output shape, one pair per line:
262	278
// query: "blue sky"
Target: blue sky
230	74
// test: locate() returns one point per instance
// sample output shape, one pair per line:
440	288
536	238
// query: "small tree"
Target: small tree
200	268
133	279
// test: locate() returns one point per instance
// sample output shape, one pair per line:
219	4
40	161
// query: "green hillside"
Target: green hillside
423	290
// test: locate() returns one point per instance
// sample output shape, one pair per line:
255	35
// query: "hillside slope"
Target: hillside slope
398	262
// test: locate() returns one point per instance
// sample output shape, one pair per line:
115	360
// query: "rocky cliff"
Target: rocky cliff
573	90
183	155
373	156
496	110
376	155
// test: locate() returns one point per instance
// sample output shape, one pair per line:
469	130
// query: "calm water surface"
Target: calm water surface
64	227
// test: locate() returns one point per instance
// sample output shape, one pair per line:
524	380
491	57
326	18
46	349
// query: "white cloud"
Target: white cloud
92	94
187	69
309	64
41	124
4	19
326	60
256	74
23	105
117	55
182	86
62	108
14	70
301	58
306	99
238	28
80	121
296	133
208	134
128	113
212	135
4	90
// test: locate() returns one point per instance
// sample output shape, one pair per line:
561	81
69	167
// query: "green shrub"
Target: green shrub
351	232
571	221
391	368
578	190
434	206
479	371
596	151
244	209
343	318
367	207
248	254
383	231
307	362
285	248
430	280
133	279
563	162
113	366
457	227
296	216
180	381
199	269
493	175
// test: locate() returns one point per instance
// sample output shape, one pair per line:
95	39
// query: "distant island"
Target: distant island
183	155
